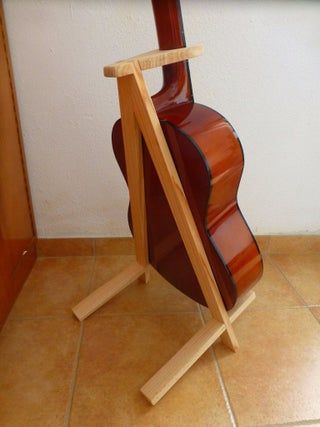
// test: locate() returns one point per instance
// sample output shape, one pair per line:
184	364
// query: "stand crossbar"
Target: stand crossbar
138	117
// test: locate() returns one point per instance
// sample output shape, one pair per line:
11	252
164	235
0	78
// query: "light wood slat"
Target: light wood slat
107	291
170	181
132	140
176	367
242	303
153	59
173	370
139	115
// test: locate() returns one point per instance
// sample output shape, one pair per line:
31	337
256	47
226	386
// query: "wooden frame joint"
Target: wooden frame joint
153	59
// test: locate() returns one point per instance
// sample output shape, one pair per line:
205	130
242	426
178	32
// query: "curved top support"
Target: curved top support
152	59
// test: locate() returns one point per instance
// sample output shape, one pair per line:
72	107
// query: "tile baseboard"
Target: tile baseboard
272	244
85	246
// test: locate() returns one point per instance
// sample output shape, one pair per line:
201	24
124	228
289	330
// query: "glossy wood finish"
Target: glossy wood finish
177	88
209	159
17	233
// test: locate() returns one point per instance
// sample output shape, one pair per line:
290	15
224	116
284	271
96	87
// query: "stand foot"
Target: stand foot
145	278
107	291
174	369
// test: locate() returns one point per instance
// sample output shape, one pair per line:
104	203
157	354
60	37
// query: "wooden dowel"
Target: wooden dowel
107	291
174	369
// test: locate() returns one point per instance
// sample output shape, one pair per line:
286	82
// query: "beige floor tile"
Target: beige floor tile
36	360
272	291
54	286
65	247
115	246
316	424
157	296
303	272
263	243
294	244
274	377
316	312
120	353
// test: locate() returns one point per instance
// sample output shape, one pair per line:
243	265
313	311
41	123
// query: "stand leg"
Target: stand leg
134	164
146	275
107	291
157	146
177	366
138	115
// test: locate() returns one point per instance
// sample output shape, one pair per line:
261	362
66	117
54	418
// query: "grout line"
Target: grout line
63	256
220	379
275	264
115	255
40	317
314	315
292	423
73	378
129	313
317	319
84	256
77	357
147	313
94	247
266	252
90	281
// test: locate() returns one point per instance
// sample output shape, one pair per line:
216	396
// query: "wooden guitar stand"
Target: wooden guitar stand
140	118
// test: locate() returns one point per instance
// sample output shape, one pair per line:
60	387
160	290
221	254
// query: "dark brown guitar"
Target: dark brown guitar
209	159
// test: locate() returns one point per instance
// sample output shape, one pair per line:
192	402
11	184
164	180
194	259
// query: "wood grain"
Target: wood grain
157	146
152	59
177	366
140	117
134	165
107	291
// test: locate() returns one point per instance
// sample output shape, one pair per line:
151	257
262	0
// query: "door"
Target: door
17	232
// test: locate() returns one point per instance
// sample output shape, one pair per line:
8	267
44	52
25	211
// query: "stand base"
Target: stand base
176	367
107	291
139	118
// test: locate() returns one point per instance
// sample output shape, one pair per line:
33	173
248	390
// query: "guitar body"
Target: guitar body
209	159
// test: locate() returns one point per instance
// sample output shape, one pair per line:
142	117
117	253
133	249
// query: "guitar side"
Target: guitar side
236	262
226	228
209	160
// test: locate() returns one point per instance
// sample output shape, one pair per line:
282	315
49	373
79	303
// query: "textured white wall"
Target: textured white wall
261	69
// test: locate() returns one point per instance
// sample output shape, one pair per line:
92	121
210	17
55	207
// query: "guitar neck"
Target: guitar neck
176	77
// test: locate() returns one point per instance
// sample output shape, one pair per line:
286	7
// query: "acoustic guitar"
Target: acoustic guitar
209	159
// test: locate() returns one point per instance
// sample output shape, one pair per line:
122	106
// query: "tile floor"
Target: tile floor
55	371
